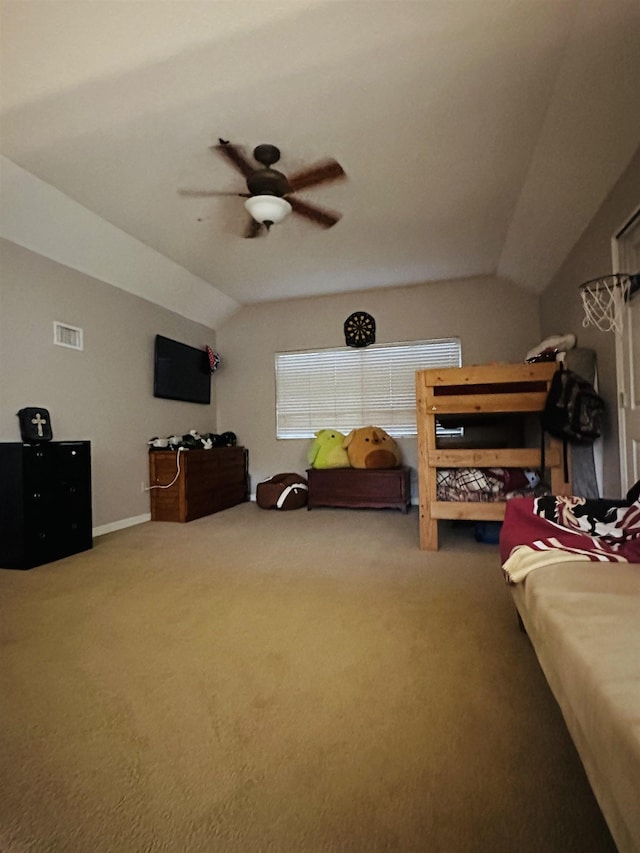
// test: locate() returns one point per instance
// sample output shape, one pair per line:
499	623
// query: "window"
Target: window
348	388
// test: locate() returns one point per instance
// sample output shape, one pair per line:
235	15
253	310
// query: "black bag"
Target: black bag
573	410
35	425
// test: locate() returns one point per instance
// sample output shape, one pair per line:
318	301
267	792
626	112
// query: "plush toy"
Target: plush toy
514	479
191	440
158	443
212	439
371	447
326	450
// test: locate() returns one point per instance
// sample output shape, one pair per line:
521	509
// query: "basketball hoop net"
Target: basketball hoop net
604	300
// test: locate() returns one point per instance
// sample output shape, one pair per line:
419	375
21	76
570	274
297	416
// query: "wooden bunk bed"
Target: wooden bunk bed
475	394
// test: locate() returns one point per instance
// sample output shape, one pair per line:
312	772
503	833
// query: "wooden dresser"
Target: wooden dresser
208	481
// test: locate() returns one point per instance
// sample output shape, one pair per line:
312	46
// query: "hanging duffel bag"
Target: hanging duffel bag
282	491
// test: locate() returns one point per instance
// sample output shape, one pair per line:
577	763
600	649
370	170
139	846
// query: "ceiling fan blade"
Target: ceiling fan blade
235	156
323	217
210	194
327	170
253	228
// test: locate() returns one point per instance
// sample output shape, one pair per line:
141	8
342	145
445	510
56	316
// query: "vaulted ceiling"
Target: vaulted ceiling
478	137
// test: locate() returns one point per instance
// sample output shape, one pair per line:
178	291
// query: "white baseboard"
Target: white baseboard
120	525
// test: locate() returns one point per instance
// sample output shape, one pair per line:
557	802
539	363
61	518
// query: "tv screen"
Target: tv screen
181	372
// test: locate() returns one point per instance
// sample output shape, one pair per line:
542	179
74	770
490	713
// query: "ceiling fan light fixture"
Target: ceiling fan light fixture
268	210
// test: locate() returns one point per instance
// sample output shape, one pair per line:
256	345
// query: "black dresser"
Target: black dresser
45	502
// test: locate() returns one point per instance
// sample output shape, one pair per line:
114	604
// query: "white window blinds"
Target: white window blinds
348	388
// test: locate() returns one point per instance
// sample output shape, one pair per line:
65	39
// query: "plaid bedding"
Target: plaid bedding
483	485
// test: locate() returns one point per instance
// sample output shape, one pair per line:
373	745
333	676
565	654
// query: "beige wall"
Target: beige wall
104	393
561	307
495	321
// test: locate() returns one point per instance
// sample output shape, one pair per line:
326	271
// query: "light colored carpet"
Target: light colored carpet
289	682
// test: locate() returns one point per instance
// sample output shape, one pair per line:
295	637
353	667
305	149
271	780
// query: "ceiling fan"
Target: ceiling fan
270	193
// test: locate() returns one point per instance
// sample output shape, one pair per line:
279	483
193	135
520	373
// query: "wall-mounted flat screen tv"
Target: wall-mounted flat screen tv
181	372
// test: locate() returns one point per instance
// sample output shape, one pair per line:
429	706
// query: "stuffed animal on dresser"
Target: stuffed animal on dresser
372	447
326	450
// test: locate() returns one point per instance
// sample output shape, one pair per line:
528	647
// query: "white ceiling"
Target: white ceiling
479	136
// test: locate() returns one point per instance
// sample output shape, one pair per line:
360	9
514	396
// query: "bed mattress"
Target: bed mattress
583	619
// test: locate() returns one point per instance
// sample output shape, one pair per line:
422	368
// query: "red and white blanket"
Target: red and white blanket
551	529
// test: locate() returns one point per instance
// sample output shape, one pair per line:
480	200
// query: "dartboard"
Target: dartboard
359	329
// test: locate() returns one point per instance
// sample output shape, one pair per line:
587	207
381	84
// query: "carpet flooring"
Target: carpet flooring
295	682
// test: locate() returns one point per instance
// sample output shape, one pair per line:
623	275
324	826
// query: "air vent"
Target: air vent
65	335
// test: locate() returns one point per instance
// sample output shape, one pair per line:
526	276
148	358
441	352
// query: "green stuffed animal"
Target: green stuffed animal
326	450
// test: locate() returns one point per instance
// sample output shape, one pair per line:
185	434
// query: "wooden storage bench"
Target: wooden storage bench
372	488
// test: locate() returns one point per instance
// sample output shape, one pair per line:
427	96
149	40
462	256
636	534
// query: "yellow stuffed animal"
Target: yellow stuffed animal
372	447
326	450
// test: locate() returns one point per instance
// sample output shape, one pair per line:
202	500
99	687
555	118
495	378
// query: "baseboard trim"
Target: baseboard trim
120	525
